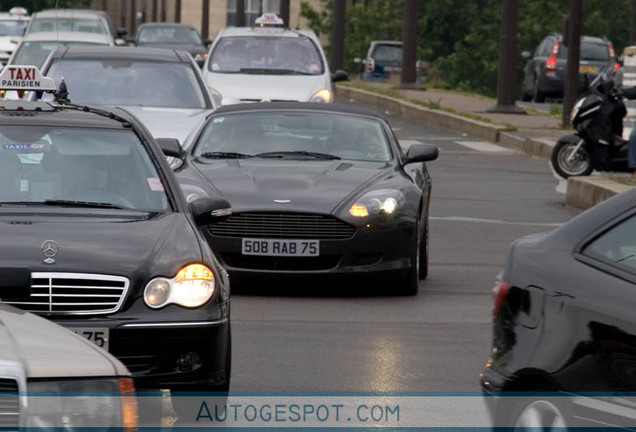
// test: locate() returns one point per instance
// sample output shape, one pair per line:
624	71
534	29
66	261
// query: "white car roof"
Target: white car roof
265	31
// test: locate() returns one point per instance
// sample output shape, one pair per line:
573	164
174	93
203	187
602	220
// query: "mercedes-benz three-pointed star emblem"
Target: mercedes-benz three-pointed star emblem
50	250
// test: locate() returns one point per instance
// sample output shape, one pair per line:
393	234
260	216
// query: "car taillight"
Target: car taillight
499	292
550	63
370	65
610	48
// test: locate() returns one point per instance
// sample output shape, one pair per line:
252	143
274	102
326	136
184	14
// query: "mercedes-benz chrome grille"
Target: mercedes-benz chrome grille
283	225
74	294
9	404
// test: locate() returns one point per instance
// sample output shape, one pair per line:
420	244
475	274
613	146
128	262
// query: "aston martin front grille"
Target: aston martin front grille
74	293
283	225
9	404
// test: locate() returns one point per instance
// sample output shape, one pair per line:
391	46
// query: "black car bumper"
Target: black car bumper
368	253
178	355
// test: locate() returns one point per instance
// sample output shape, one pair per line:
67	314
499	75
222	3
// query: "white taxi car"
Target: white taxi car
12	27
269	62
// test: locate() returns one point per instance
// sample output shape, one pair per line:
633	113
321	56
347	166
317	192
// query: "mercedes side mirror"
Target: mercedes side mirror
15	283
170	147
421	153
339	75
207	211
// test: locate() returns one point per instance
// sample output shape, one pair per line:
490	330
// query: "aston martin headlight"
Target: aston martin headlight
323	95
192	287
73	404
384	201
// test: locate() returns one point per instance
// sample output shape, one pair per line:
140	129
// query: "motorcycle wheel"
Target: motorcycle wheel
567	165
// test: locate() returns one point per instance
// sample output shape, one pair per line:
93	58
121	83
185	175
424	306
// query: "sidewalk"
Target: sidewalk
534	133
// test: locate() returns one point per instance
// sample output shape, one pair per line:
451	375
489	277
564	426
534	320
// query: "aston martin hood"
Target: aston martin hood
272	185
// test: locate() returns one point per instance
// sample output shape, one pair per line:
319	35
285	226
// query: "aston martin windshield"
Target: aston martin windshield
294	135
274	54
131	83
69	167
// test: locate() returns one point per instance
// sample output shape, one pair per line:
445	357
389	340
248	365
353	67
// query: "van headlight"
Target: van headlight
192	287
95	403
323	95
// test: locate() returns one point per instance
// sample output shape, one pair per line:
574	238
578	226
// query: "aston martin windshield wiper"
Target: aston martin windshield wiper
85	204
225	155
297	154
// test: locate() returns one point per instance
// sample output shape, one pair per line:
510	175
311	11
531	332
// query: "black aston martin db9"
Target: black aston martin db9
317	190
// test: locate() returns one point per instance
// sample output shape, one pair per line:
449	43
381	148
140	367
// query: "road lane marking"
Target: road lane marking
483	146
492	221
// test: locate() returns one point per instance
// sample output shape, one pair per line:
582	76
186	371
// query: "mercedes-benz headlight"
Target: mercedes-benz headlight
382	201
323	95
192	287
86	403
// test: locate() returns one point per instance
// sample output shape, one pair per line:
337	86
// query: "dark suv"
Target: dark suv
544	74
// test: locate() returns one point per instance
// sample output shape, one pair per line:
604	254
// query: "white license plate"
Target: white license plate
99	336
275	247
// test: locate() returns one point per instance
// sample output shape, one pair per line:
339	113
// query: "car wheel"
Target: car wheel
540	415
537	95
424	246
411	283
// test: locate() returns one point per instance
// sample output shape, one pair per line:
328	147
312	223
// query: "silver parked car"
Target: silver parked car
268	62
52	378
163	88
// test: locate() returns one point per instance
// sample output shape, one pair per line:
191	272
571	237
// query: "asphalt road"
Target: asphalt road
346	339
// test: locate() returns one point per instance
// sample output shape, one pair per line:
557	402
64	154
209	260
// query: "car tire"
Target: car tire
424	248
580	166
536	413
537	95
411	283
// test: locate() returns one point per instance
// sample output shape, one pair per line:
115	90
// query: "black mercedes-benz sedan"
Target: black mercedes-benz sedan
90	207
316	190
564	339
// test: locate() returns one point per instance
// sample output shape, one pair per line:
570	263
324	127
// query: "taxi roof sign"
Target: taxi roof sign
269	20
26	78
18	11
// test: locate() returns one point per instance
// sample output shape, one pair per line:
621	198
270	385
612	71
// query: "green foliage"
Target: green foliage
459	39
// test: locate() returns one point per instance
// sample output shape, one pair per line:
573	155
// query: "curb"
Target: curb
422	114
582	192
586	192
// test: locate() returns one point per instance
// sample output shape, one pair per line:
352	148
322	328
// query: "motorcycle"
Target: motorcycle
597	144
